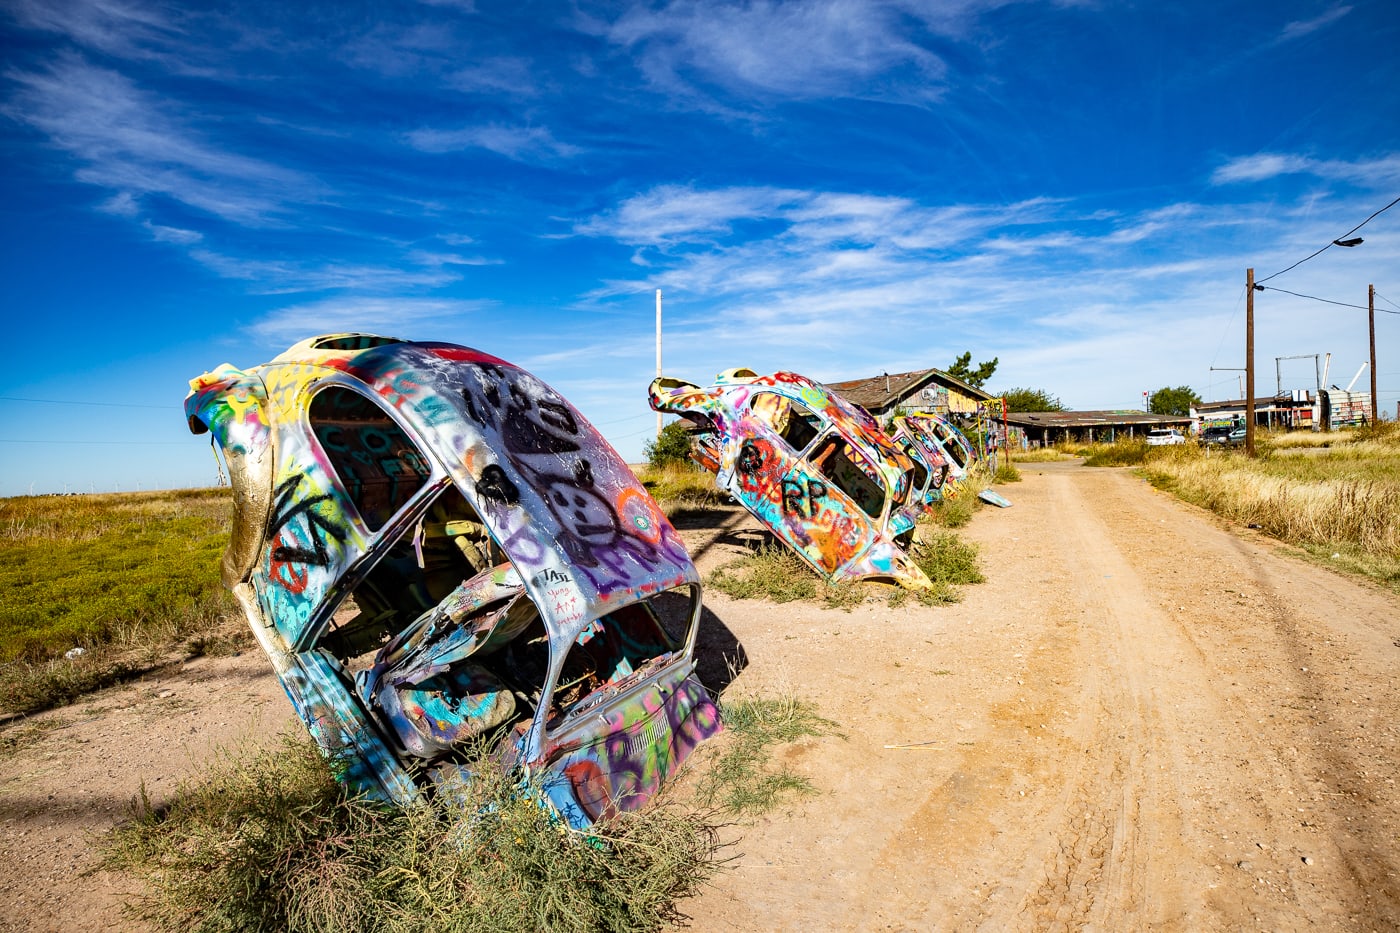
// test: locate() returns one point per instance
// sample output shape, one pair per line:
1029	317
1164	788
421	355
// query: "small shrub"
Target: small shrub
265	840
770	572
671	446
1007	472
957	510
741	780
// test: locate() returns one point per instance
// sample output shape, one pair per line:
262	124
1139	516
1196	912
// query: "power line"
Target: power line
1329	301
58	401
1386	300
1332	243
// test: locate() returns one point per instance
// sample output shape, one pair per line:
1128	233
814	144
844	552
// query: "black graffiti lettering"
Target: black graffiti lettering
493	484
800	495
793	495
550	577
316	523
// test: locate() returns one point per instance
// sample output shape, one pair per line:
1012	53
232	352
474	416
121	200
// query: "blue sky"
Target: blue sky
835	188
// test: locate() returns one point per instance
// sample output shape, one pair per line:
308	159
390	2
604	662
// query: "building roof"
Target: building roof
1091	419
878	393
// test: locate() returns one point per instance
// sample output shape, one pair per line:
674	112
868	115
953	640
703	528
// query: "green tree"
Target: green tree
673	446
962	369
1169	401
1031	400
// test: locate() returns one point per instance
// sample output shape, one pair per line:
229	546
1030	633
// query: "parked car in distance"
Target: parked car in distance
1165	437
1223	436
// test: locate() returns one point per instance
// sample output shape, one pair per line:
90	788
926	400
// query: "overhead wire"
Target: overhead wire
1330	243
1329	301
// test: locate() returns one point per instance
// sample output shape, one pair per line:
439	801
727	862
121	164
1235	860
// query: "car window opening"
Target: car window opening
850	471
793	421
949	443
380	468
620	649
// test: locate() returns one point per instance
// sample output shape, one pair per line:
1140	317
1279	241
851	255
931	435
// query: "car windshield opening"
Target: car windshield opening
438	640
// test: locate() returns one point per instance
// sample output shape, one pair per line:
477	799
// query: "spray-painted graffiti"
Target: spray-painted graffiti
816	470
945	452
449	526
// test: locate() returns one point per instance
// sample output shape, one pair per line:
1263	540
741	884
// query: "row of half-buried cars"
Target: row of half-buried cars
435	549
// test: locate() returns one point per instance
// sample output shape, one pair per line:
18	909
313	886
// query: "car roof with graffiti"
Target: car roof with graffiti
577	525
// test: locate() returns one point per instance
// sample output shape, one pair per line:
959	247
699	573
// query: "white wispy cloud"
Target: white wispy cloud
518	143
273	277
115	27
1299	28
135	144
163	234
1380	172
802	50
512	76
410	318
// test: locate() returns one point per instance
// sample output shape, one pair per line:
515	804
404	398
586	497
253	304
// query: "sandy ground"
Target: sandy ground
1144	719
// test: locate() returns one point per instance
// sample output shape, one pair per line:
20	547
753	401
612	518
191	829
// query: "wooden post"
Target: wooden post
1371	307
1249	364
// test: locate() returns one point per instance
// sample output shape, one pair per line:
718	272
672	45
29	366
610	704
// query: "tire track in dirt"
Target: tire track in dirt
1165	787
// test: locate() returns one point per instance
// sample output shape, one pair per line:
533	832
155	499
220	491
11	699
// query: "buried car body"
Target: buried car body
435	549
815	469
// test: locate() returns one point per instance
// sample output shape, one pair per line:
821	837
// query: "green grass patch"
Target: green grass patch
742	779
122	576
769	572
85	571
681	488
266	840
948	562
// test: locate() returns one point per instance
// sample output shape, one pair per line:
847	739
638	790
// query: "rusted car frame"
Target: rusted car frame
435	549
813	468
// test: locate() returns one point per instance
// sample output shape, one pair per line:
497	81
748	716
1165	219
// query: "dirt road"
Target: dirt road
1145	719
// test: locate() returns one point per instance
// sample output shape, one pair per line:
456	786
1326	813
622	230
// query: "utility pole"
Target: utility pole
658	357
1371	307
1249	364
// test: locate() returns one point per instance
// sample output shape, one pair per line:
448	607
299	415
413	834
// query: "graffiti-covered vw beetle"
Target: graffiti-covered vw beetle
436	549
934	434
815	469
